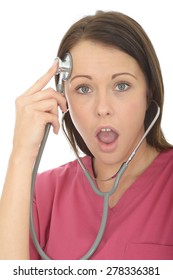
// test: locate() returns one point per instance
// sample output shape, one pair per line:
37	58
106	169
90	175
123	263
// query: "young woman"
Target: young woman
112	96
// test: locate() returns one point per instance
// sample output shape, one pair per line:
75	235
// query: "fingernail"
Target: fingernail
55	61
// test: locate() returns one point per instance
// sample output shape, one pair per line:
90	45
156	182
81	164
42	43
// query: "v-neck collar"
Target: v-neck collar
137	186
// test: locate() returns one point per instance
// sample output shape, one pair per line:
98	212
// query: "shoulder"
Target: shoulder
162	169
65	175
64	170
163	163
165	158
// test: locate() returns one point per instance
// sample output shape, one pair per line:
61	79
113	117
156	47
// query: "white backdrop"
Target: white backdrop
30	32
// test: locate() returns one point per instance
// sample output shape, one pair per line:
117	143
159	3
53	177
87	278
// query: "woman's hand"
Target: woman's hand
34	109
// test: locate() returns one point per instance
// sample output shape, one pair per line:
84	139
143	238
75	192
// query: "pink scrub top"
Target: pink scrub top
67	214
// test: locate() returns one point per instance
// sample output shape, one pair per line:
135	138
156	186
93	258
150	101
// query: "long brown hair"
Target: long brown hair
119	30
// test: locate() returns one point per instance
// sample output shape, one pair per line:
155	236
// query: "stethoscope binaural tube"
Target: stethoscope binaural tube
90	179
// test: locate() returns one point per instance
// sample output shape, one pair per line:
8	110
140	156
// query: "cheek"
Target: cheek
133	117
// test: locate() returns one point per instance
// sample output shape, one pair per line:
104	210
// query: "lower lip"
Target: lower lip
107	148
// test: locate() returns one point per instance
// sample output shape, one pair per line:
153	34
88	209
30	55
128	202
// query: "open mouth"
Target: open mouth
106	136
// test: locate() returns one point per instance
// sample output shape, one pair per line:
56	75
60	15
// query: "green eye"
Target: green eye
83	89
122	86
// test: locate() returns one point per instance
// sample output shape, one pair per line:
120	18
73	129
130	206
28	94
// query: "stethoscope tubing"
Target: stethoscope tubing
105	195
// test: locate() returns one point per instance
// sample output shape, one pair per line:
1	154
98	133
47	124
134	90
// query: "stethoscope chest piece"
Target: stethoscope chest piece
64	70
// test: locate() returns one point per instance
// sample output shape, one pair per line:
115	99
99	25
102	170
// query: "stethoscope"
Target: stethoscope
64	72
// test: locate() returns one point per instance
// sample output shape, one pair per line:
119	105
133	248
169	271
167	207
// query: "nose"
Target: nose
104	105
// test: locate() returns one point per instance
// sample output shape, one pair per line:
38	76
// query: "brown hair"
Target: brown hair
119	30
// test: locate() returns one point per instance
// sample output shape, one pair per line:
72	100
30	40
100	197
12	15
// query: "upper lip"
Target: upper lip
104	127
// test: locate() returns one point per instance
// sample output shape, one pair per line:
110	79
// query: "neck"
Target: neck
143	158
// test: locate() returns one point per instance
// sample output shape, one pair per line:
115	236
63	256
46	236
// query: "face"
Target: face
106	96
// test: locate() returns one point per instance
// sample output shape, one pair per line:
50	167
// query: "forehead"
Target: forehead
93	56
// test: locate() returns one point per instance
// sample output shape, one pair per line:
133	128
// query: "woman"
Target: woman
111	95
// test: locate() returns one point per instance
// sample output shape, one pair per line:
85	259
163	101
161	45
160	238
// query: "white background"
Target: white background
30	33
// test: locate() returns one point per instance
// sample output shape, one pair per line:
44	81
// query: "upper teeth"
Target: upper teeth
105	129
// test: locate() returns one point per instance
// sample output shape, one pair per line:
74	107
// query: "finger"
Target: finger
44	106
46	118
25	101
43	81
41	113
50	93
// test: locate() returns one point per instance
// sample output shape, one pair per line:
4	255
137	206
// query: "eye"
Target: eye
123	86
83	89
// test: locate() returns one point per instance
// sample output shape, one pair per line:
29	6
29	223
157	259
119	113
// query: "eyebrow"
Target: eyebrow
81	76
123	73
113	76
